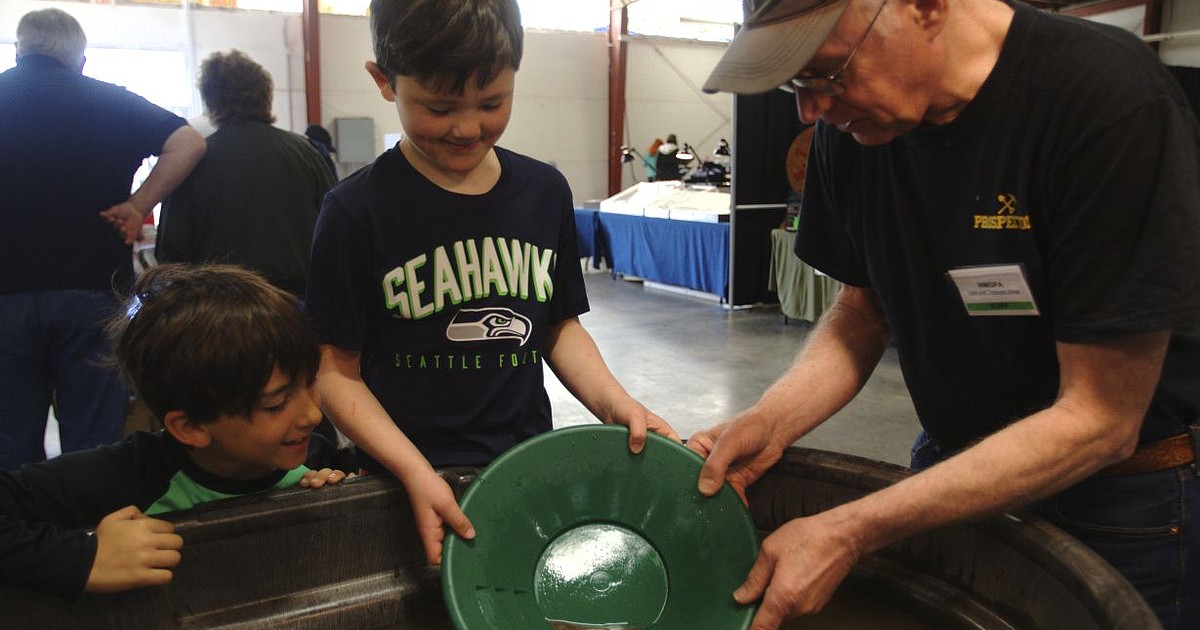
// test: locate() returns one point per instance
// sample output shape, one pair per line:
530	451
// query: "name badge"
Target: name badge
994	290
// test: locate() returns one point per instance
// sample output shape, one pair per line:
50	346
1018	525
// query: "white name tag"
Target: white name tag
994	290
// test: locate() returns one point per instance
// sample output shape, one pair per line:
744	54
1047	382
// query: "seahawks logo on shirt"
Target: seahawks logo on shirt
489	324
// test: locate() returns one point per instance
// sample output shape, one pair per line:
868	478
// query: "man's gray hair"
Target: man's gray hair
52	32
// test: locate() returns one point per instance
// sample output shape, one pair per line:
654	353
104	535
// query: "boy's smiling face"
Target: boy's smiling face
447	136
274	437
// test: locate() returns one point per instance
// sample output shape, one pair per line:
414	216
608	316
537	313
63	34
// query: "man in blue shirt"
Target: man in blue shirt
71	147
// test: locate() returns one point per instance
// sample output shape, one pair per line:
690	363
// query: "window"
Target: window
708	20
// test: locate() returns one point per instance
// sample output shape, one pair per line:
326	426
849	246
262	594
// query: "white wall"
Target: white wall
560	113
662	96
263	36
561	105
1179	16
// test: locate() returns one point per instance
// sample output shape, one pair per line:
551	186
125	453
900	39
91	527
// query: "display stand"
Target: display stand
804	293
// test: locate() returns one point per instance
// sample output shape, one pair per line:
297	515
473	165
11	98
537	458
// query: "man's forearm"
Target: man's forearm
836	361
1095	421
181	152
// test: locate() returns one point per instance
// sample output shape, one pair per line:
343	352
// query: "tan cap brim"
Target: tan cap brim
762	58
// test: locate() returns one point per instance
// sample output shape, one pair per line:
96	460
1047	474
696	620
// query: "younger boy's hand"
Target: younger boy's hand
318	478
133	550
639	420
434	509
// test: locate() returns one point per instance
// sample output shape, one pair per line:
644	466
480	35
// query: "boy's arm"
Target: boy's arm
576	361
46	508
352	407
128	550
44	557
77	489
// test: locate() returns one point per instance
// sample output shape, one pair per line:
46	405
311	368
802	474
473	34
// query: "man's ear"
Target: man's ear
185	431
930	15
381	81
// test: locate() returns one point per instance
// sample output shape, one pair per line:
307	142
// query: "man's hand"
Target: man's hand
798	569
318	478
133	550
740	450
127	220
434	509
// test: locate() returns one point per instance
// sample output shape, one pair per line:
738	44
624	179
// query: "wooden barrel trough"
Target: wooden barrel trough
348	557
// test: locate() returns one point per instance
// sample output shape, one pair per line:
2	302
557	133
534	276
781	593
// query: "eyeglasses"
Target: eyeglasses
831	84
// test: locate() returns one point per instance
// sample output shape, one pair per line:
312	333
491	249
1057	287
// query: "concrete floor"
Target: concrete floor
696	363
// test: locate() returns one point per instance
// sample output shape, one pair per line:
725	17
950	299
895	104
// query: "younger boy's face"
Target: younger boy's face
452	134
274	437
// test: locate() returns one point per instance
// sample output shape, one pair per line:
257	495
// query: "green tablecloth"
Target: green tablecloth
803	292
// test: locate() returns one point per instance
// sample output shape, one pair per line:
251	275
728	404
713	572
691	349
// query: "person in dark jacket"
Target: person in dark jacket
253	200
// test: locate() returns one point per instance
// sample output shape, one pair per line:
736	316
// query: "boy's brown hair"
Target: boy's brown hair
206	339
443	44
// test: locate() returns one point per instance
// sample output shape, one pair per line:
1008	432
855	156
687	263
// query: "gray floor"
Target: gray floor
696	363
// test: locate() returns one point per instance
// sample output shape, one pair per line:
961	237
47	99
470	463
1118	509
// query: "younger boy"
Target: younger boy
226	362
446	272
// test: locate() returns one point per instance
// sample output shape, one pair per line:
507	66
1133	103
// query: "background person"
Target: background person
253	200
650	162
319	137
1033	264
71	147
666	164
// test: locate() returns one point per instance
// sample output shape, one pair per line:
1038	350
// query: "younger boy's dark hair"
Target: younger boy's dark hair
235	88
442	44
205	340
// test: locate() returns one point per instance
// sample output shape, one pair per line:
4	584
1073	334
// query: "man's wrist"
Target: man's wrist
138	208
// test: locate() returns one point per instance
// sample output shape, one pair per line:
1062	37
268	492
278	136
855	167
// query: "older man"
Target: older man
1012	199
71	147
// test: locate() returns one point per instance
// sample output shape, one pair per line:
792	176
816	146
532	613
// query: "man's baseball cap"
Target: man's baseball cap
777	40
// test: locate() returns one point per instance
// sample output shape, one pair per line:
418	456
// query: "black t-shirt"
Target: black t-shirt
1078	161
449	298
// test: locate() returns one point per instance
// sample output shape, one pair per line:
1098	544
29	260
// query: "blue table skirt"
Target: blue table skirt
585	233
687	254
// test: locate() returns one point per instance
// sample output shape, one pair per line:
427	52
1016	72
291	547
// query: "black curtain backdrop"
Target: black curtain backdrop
1189	80
765	125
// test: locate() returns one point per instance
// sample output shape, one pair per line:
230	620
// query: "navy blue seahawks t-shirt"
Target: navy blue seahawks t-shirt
449	299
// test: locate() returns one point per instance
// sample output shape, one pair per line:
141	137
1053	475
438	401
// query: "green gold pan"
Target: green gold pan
574	531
